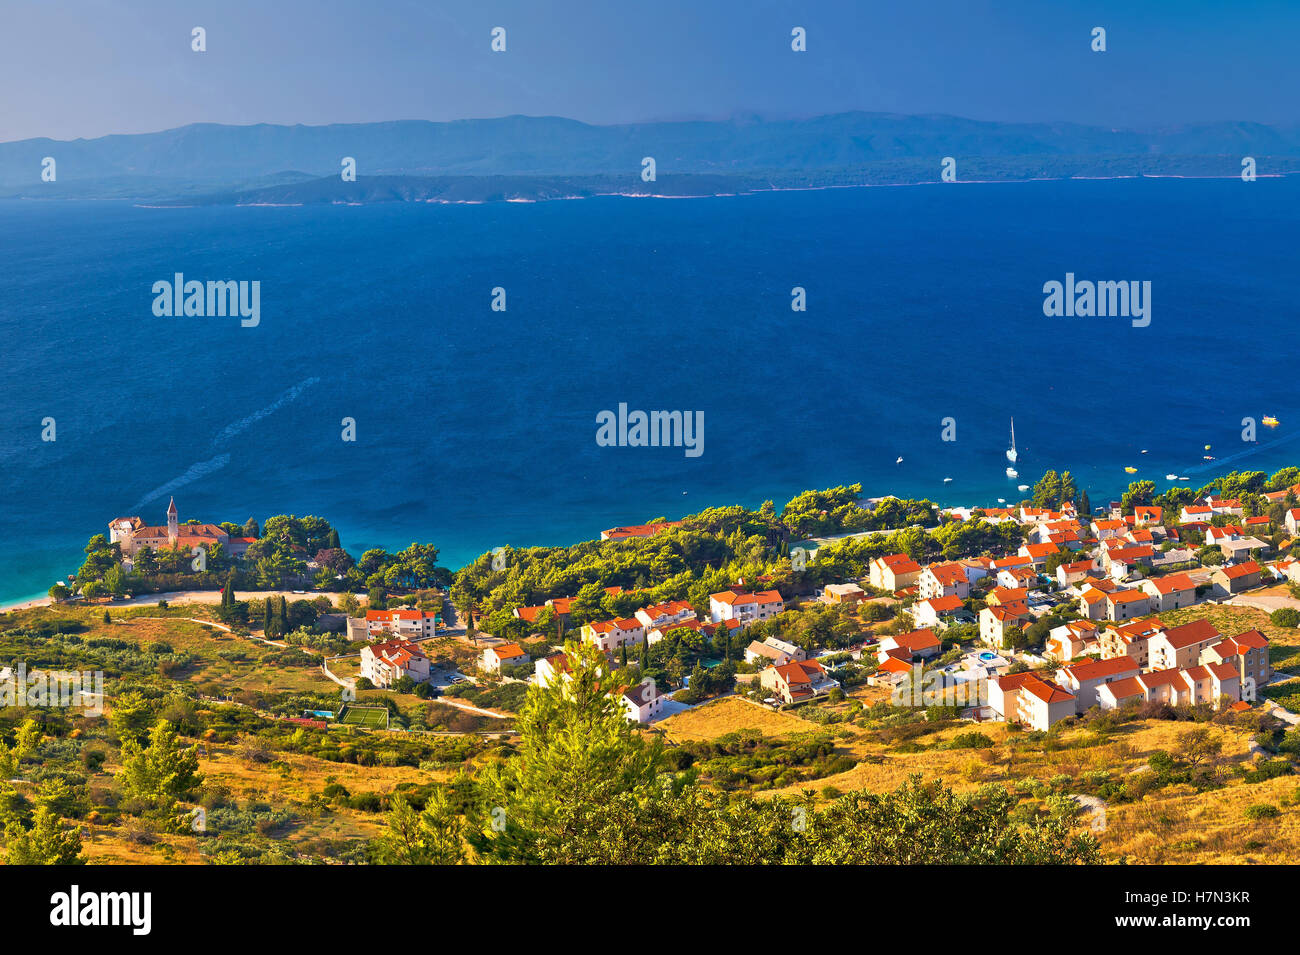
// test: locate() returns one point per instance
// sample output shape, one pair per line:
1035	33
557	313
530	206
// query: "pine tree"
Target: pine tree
431	837
578	754
1069	490
48	842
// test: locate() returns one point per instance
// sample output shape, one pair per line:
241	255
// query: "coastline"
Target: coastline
32	601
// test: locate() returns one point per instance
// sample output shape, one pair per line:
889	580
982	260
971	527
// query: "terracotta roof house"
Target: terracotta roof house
1028	698
1172	592
893	572
797	681
505	654
1236	578
918	643
1083	679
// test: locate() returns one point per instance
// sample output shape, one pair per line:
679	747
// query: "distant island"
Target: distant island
536	158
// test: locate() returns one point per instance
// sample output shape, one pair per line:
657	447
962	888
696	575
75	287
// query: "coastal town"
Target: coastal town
850	627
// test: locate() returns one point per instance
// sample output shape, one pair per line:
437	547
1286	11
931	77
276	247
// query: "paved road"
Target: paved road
1265	602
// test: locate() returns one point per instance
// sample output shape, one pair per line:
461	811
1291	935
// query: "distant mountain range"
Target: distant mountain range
545	157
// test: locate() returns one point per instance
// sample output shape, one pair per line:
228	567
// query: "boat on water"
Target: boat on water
1002	500
1183	477
1171	477
1270	421
1131	470
1022	487
1011	451
1011	472
900	460
946	480
1208	457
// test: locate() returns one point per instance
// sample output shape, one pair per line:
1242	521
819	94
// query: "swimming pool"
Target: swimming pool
987	655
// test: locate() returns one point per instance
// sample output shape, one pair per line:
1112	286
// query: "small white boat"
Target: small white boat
1011	472
1002	500
946	480
1183	477
900	460
1022	487
1144	450
1011	451
1171	477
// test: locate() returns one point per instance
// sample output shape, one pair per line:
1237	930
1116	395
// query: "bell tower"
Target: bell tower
172	530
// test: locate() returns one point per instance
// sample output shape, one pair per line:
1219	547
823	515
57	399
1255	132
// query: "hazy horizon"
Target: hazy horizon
739	114
92	69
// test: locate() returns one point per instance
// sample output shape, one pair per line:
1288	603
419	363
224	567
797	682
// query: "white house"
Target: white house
665	615
1170	593
943	580
1083	679
641	703
609	635
918	643
509	654
412	624
1018	577
385	663
893	572
938	612
744	606
1028	698
1074	572
995	621
775	651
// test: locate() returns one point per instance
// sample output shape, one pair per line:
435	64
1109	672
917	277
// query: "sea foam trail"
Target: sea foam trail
196	471
1218	463
204	468
291	395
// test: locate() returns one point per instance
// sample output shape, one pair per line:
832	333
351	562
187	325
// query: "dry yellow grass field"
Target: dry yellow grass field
140	627
288	782
728	714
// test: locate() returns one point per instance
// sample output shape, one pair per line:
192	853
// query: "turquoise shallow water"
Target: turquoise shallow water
477	428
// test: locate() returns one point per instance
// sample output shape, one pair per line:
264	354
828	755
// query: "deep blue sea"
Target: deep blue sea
477	428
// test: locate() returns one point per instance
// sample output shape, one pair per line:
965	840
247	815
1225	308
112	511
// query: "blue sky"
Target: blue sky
84	68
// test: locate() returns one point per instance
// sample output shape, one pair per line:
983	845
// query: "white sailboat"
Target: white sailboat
1011	451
